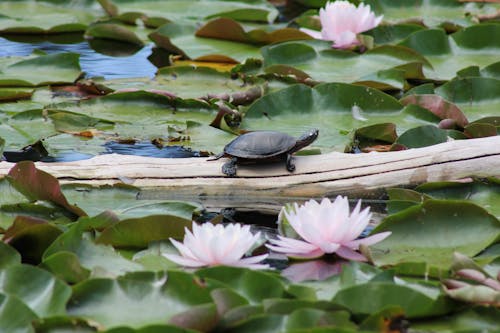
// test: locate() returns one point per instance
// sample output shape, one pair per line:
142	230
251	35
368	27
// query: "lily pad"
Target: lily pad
449	54
27	283
368	298
152	298
44	17
176	10
15	316
432	231
43	70
432	13
334	108
179	38
383	64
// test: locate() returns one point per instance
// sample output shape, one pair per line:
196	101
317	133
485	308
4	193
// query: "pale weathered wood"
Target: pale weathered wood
361	175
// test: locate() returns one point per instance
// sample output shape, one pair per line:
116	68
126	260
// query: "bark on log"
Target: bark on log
360	176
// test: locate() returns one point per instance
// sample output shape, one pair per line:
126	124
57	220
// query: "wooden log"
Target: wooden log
265	186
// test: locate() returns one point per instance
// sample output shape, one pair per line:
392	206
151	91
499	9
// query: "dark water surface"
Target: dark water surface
119	65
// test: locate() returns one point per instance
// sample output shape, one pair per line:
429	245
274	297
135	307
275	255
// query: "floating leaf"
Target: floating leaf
44	17
476	96
98	258
321	63
334	108
152	298
8	256
228	29
15	316
368	298
39	185
449	54
43	70
255	286
422	136
178	10
432	231
27	283
113	32
139	232
180	39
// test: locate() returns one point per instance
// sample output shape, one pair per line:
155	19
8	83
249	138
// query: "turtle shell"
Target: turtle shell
260	145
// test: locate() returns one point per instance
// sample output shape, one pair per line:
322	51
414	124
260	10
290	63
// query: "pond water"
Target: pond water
120	65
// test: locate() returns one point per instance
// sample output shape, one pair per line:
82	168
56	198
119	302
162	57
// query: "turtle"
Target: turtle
263	146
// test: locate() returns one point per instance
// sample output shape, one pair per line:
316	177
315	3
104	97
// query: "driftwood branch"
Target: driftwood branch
264	186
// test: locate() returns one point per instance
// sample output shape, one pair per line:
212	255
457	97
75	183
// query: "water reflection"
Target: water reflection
313	270
149	150
118	62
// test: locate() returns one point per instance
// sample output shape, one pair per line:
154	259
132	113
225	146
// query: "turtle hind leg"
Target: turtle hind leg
229	168
290	166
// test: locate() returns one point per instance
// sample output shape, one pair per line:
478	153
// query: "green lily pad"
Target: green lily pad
255	286
15	316
432	13
449	54
139	232
8	256
477	97
334	108
422	136
191	82
416	301
123	201
45	17
180	39
66	266
432	231
481	192
27	283
469	320
176	10
114	32
43	70
99	259
383	64
12	94
228	29
134	112
152	298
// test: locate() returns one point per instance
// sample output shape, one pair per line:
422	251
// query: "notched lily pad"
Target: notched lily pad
432	231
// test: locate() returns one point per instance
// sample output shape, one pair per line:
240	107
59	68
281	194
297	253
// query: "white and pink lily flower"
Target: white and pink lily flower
325	228
341	22
217	245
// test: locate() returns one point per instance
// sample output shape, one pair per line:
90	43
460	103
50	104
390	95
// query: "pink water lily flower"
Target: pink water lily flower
214	245
341	21
326	227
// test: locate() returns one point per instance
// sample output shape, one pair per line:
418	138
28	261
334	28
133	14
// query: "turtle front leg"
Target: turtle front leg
229	168
290	166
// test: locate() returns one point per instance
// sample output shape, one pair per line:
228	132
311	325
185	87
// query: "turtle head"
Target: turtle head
306	139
